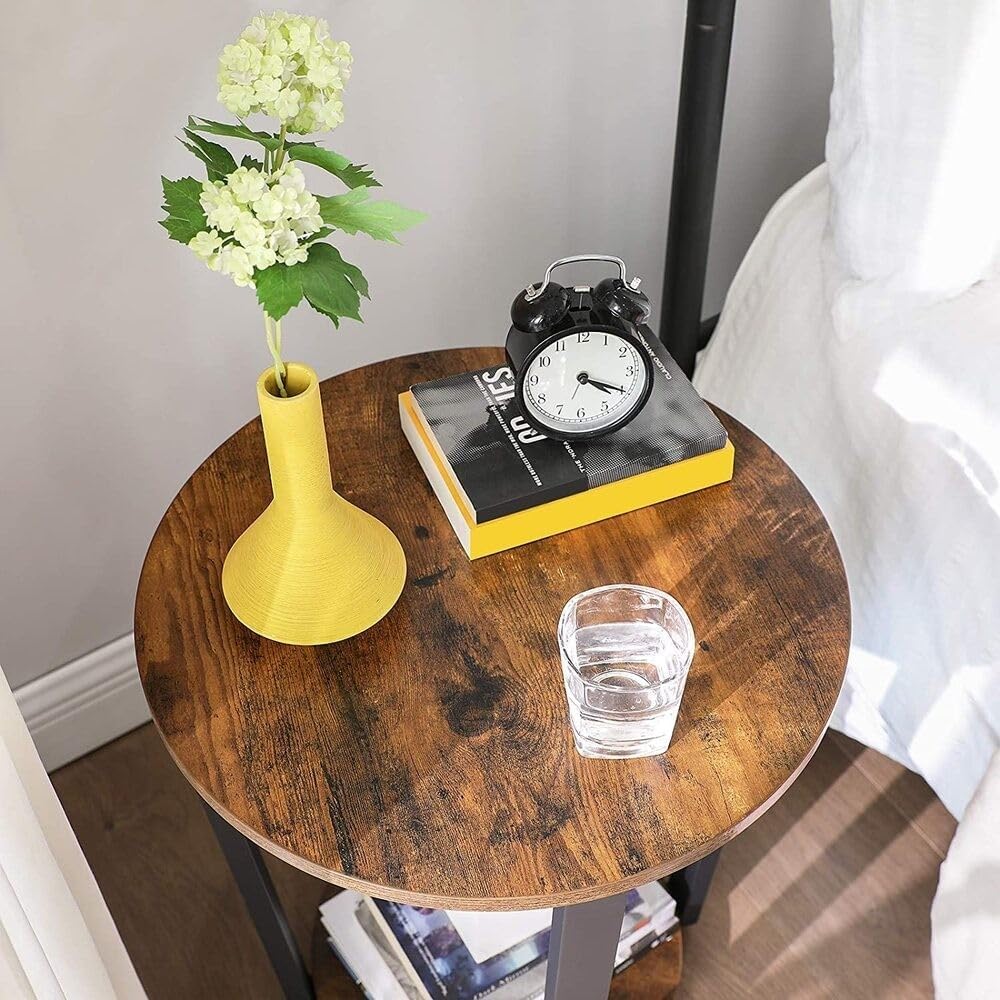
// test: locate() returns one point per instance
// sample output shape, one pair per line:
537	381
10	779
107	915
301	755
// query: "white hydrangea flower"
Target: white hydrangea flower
291	178
243	57
286	66
299	35
210	194
295	255
235	262
286	104
256	220
269	207
282	240
206	244
266	89
271	65
247	184
238	97
226	213
249	231
261	256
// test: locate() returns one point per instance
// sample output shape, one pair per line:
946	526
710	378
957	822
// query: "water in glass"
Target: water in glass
624	676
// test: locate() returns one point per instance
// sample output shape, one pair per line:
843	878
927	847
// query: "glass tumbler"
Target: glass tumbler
626	651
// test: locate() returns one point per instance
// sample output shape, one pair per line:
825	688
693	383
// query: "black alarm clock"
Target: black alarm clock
581	370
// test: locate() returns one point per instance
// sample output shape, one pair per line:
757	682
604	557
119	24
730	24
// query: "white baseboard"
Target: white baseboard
86	703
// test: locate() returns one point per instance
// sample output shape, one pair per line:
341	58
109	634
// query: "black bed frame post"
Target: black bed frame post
708	35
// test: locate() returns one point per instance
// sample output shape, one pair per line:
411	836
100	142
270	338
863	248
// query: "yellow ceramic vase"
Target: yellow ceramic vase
312	568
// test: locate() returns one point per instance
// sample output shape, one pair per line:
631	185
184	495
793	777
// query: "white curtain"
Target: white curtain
965	917
57	938
861	339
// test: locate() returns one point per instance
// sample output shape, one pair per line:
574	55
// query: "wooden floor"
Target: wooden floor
827	895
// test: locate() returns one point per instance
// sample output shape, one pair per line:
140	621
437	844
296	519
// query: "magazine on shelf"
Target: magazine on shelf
398	952
378	973
529	984
488	934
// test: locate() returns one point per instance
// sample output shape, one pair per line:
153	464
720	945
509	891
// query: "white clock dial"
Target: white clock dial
585	382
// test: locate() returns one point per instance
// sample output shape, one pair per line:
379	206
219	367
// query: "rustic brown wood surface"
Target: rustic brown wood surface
429	760
654	976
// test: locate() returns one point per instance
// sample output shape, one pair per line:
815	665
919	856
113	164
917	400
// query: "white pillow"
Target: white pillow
913	149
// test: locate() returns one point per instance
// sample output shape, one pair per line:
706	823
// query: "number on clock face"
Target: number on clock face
585	382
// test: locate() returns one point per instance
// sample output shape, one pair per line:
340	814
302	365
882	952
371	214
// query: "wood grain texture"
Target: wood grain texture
428	760
654	976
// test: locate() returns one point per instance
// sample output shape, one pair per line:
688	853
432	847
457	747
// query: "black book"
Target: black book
502	466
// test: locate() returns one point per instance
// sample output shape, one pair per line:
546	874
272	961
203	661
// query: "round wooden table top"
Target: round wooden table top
429	760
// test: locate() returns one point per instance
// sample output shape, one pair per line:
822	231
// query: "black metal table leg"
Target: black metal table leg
689	887
582	949
265	908
708	36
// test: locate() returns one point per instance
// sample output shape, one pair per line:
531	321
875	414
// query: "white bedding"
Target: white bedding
965	917
894	426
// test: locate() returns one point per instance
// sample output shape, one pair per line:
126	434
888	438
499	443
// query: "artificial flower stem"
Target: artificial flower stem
279	365
279	155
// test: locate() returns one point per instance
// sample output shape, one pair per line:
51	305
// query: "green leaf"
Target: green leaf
329	283
331	255
354	175
320	235
185	216
249	161
217	159
354	275
354	197
381	220
233	131
279	288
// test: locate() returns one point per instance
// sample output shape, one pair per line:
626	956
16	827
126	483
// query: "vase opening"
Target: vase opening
298	378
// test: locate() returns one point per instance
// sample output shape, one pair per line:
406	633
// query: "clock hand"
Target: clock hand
599	385
605	386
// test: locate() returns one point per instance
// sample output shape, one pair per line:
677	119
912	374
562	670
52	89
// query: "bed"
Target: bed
861	338
893	427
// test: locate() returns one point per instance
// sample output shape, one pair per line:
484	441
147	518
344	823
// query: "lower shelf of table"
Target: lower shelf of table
654	977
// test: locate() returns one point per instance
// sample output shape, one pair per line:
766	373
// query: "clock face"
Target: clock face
585	383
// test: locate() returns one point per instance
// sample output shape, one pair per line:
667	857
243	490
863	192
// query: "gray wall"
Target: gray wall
125	361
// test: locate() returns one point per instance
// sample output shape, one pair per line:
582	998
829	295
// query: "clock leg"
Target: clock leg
582	949
264	907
